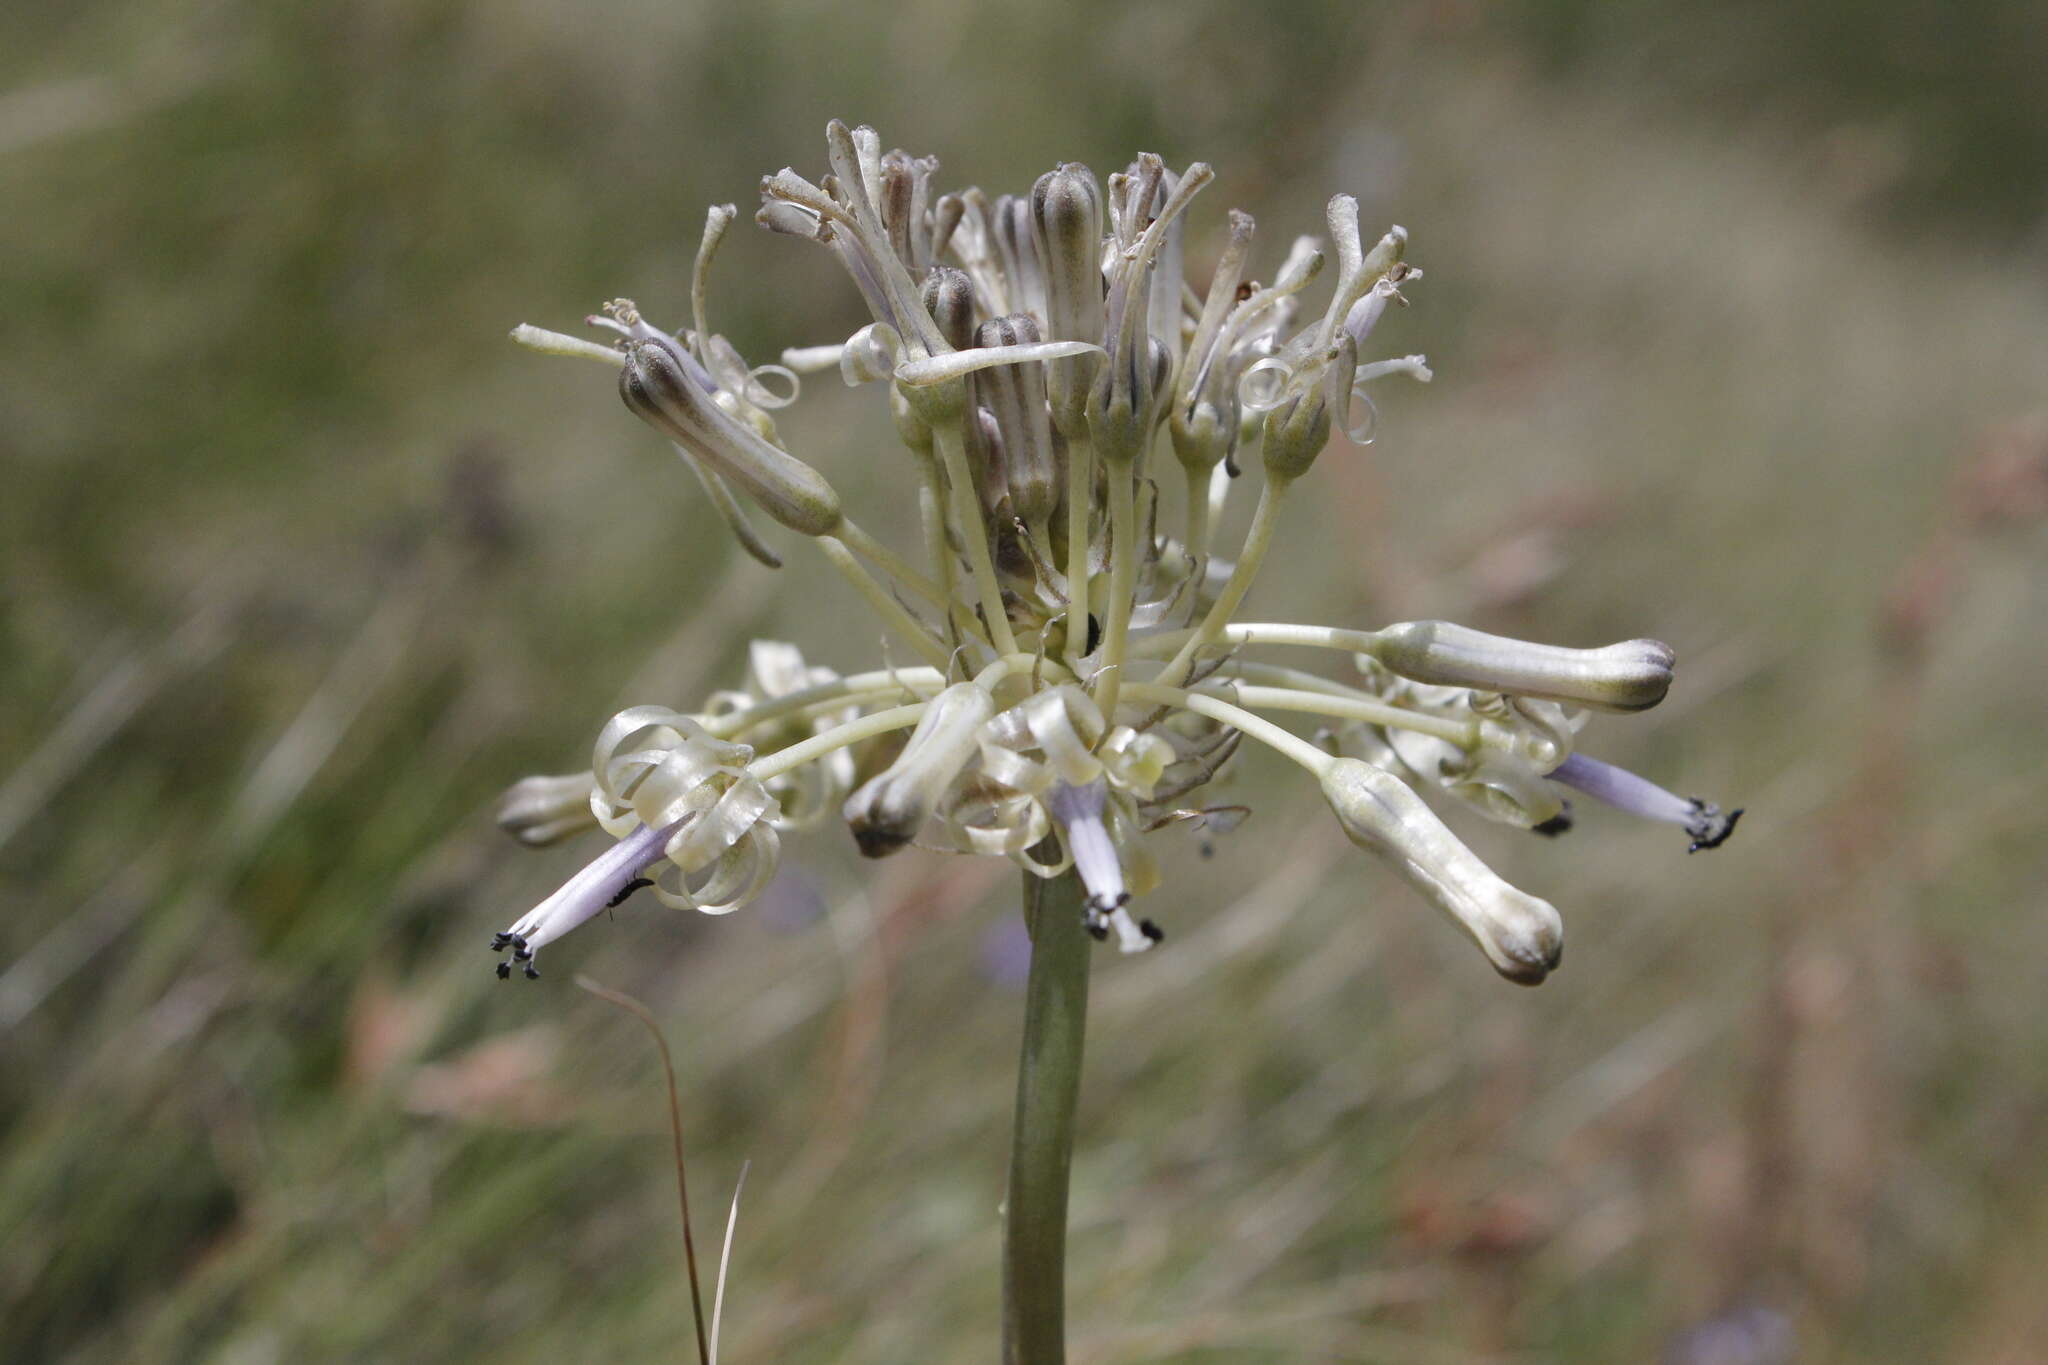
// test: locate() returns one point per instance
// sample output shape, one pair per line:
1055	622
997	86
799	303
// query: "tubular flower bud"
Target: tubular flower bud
1014	396
1017	245
538	811
1125	399
948	295
906	207
1204	419
1066	224
1522	937
1631	676
887	811
660	390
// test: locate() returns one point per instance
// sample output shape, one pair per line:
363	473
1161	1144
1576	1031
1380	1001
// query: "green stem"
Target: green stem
1042	1148
950	440
1256	542
1123	567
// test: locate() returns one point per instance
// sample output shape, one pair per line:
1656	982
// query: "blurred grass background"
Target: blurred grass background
1740	331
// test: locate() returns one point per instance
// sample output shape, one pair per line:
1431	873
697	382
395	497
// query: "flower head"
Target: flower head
1086	673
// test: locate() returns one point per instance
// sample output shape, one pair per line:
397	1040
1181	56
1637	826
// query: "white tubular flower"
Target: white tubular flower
1522	937
606	881
1631	676
1082	672
1704	821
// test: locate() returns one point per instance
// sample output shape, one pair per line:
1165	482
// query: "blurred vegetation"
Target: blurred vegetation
1740	333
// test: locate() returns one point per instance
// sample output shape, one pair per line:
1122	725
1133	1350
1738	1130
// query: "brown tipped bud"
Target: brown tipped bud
1066	224
1014	396
1017	244
948	295
898	205
887	812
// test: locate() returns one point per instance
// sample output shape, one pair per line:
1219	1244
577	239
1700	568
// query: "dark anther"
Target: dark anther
532	972
1714	838
1244	290
628	889
504	971
500	942
1151	931
522	953
1555	825
1097	930
1094	634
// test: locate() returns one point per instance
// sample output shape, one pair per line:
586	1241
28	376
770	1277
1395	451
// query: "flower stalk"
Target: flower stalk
1042	1138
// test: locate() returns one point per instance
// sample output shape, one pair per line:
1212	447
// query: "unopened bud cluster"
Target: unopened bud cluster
1085	670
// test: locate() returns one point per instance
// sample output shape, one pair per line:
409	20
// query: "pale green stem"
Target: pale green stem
931	513
947	437
1256	542
1198	514
853	732
1461	733
838	692
1273	633
888	608
860	542
1123	568
864	689
1080	490
1042	1141
1003	668
1258	727
747	720
1249	670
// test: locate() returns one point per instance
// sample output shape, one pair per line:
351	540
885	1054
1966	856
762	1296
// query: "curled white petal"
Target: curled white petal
1066	722
870	354
762	395
1263	384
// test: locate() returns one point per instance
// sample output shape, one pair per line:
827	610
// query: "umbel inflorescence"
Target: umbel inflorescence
1083	671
